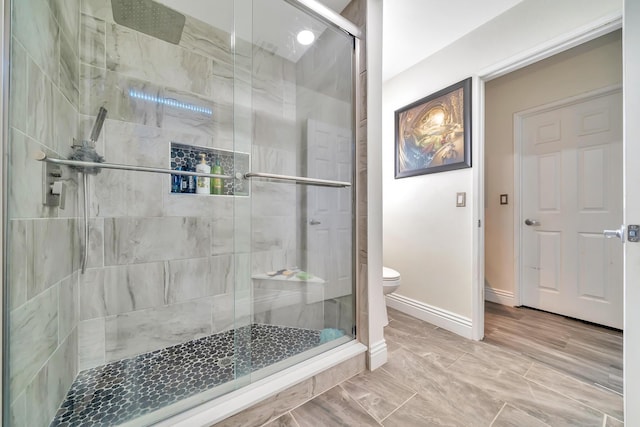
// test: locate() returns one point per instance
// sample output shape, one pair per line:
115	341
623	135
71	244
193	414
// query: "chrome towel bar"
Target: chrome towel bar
296	179
41	156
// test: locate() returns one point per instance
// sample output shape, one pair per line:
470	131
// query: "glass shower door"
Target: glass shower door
296	244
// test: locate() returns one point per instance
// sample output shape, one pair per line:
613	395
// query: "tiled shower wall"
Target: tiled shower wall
161	265
275	205
43	242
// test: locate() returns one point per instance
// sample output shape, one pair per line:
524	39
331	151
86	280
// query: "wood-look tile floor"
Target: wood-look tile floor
533	369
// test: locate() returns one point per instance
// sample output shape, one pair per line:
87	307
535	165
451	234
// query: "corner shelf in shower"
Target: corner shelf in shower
278	290
232	162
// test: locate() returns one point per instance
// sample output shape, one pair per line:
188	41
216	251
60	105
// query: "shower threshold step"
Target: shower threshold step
120	391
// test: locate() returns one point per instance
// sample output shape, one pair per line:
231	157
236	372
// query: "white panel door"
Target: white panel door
329	209
571	192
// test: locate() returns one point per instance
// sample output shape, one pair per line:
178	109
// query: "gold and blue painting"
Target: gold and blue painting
433	134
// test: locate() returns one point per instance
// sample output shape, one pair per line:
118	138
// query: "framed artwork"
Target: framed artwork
433	134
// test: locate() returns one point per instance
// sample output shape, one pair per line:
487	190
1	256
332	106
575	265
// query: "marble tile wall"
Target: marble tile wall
274	222
165	267
43	259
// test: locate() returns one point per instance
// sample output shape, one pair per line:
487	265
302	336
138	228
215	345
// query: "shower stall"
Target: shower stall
137	287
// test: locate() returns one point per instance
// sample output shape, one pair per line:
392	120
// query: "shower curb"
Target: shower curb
235	402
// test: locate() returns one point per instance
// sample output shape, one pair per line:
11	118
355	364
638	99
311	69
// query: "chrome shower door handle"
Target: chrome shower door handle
314	222
532	222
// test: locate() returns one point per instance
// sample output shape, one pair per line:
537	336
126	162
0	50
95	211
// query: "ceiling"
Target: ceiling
415	29
270	24
412	29
336	5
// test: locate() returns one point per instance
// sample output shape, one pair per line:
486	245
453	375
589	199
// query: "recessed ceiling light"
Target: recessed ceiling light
306	37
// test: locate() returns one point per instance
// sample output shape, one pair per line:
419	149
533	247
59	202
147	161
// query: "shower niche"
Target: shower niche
232	163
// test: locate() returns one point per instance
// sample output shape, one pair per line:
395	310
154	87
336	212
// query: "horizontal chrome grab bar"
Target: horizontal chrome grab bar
41	156
296	179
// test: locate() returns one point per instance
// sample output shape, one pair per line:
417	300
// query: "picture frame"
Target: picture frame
433	134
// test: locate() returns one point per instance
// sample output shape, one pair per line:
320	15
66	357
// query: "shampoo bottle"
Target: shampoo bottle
203	182
191	180
184	183
176	183
216	185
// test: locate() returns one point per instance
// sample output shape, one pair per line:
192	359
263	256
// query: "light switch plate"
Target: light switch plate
504	199
461	200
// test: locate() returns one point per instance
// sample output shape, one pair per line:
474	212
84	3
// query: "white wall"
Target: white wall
377	346
631	54
584	68
426	238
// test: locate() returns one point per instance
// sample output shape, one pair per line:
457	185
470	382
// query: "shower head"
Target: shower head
86	151
149	17
97	126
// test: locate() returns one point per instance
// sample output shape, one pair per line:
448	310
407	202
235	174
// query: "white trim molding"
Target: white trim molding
593	30
499	296
478	261
377	355
597	28
436	316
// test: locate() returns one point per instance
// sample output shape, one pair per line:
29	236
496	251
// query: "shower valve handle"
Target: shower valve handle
59	188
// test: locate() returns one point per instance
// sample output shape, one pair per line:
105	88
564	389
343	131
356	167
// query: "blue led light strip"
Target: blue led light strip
170	102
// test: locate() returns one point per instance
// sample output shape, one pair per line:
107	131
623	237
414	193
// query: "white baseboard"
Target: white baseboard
436	316
499	296
377	354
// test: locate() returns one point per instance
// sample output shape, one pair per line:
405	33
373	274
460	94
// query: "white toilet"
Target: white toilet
390	283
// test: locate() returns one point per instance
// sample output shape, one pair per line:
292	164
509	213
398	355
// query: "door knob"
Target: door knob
610	234
532	222
314	222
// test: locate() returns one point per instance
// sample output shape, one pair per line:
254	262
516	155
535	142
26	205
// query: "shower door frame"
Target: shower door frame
5	38
335	20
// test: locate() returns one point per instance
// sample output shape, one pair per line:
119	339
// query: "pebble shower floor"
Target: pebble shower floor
121	391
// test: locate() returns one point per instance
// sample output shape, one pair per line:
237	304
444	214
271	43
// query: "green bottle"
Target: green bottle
216	183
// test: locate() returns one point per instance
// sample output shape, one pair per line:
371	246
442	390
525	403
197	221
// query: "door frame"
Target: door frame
5	37
595	29
518	118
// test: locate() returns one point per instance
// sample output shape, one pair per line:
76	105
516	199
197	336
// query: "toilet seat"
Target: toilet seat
390	283
390	275
390	280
